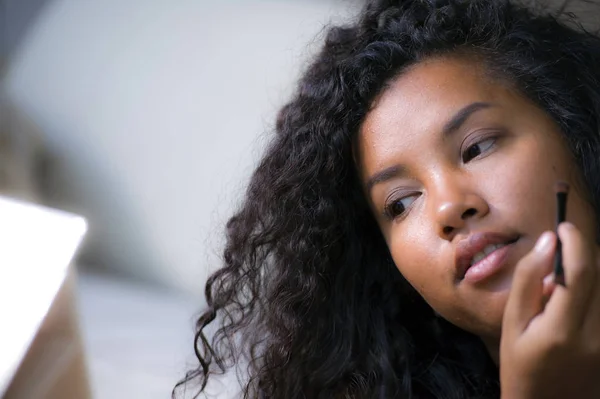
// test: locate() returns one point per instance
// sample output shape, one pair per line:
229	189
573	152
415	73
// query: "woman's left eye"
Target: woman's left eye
478	148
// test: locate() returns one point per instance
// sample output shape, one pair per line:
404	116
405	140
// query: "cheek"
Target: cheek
522	188
541	164
425	269
417	258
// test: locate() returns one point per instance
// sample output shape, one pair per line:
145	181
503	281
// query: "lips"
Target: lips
475	244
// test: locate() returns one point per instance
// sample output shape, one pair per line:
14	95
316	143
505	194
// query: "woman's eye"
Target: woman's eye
397	207
477	149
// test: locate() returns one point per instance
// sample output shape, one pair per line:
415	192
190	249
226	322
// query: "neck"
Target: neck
493	348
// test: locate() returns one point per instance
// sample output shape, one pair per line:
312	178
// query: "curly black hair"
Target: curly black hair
308	295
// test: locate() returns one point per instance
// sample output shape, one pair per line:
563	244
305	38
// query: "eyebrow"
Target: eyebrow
384	175
450	127
462	116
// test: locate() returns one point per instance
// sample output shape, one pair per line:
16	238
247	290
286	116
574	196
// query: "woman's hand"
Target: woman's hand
553	351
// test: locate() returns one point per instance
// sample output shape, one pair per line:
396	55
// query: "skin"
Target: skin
494	173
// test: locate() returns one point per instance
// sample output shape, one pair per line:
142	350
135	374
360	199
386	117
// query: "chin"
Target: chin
484	319
491	316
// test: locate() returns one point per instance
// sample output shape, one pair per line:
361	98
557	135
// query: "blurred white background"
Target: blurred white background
156	111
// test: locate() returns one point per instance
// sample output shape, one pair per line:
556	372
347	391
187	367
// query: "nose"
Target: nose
454	205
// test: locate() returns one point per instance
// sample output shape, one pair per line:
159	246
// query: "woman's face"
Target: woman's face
457	165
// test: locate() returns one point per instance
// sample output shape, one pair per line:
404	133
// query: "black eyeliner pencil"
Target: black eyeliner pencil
562	189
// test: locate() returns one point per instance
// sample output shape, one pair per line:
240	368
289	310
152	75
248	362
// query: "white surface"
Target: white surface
138	339
37	247
155	108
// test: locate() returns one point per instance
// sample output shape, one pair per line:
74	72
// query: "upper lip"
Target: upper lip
468	247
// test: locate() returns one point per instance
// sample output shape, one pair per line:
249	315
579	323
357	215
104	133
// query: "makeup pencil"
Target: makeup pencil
562	189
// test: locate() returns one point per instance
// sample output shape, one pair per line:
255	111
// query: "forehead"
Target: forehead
416	105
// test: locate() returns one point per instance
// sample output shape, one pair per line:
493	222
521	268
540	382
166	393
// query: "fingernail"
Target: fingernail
548	279
567	225
544	242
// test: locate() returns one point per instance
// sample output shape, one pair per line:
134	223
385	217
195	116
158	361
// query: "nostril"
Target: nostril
447	230
468	213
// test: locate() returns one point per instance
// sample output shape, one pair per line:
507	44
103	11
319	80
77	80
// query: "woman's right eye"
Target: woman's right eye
398	206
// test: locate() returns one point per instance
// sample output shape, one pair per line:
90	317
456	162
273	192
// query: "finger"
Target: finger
525	300
548	284
579	264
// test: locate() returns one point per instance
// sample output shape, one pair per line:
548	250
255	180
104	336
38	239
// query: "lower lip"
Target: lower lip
489	265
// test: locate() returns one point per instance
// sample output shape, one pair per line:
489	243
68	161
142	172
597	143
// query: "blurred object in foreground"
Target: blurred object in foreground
25	162
40	342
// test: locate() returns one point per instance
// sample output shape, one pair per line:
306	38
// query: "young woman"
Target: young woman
396	241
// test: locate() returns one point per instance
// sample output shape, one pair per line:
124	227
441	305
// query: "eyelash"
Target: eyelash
392	214
477	143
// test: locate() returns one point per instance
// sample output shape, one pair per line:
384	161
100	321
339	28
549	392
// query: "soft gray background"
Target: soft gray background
158	110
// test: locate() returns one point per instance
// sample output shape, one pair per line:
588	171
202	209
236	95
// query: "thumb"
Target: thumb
525	300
